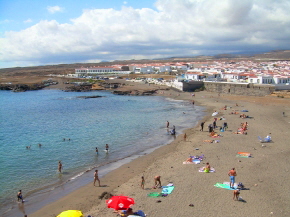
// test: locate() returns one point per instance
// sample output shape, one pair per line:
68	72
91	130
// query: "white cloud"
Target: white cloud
27	21
54	9
176	28
125	2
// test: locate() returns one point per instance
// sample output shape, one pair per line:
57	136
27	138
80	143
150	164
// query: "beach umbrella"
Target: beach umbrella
71	213
120	202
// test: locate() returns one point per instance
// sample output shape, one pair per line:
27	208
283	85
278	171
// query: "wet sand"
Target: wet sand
265	174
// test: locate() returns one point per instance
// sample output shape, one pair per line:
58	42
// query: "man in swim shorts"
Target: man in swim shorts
19	196
107	148
232	174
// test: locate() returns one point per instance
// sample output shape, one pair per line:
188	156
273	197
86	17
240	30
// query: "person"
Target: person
142	182
192	102
225	126
39	145
19	196
201	126
107	148
97	151
189	160
125	213
236	194
157	181
214	124
207	168
59	166
232	174
96	178
184	137
283	113
167	124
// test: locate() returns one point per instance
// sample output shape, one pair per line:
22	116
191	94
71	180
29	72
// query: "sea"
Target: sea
69	129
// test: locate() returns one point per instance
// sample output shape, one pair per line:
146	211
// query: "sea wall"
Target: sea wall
245	89
192	85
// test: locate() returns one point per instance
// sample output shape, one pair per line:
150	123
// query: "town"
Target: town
275	73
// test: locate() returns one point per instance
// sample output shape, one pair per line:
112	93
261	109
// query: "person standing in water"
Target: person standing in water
96	178
97	151
19	196
107	148
167	124
59	166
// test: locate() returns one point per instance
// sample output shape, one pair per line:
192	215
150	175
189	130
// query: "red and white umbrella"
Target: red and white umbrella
120	202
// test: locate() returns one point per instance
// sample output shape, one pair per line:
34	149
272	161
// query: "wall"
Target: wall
192	85
239	88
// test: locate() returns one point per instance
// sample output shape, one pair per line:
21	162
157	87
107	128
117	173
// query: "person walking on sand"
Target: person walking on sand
167	124
142	182
157	181
59	166
232	174
19	196
96	178
201	126
236	194
184	137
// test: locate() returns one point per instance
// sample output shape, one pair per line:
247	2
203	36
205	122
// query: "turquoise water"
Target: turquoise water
129	124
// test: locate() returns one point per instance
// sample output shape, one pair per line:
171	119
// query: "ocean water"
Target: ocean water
129	124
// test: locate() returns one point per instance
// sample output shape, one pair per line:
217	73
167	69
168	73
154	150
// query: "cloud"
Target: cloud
174	28
54	9
27	21
125	2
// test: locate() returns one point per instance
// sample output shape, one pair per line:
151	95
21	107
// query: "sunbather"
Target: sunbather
208	140
189	159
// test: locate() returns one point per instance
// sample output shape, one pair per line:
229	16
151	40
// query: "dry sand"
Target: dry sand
266	174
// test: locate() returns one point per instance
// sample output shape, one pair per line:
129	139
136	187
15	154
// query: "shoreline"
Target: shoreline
126	178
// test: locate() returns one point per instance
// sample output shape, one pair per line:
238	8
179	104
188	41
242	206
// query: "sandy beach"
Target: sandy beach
266	173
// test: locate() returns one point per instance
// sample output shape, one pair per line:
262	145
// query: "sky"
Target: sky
45	32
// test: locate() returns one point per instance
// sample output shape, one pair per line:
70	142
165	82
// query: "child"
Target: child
142	182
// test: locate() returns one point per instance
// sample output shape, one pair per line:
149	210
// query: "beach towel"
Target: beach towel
244	110
224	186
214	114
212	170
167	189
154	194
228	183
244	154
267	139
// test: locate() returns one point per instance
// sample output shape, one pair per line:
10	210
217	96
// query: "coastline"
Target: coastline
167	162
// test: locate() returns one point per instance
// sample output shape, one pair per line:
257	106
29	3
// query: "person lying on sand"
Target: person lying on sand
189	159
125	213
208	140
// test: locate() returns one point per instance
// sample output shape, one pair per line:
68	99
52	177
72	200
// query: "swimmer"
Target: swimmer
97	151
107	148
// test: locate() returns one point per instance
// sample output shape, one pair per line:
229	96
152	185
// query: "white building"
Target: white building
98	71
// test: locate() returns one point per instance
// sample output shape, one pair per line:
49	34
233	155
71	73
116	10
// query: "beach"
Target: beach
265	173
